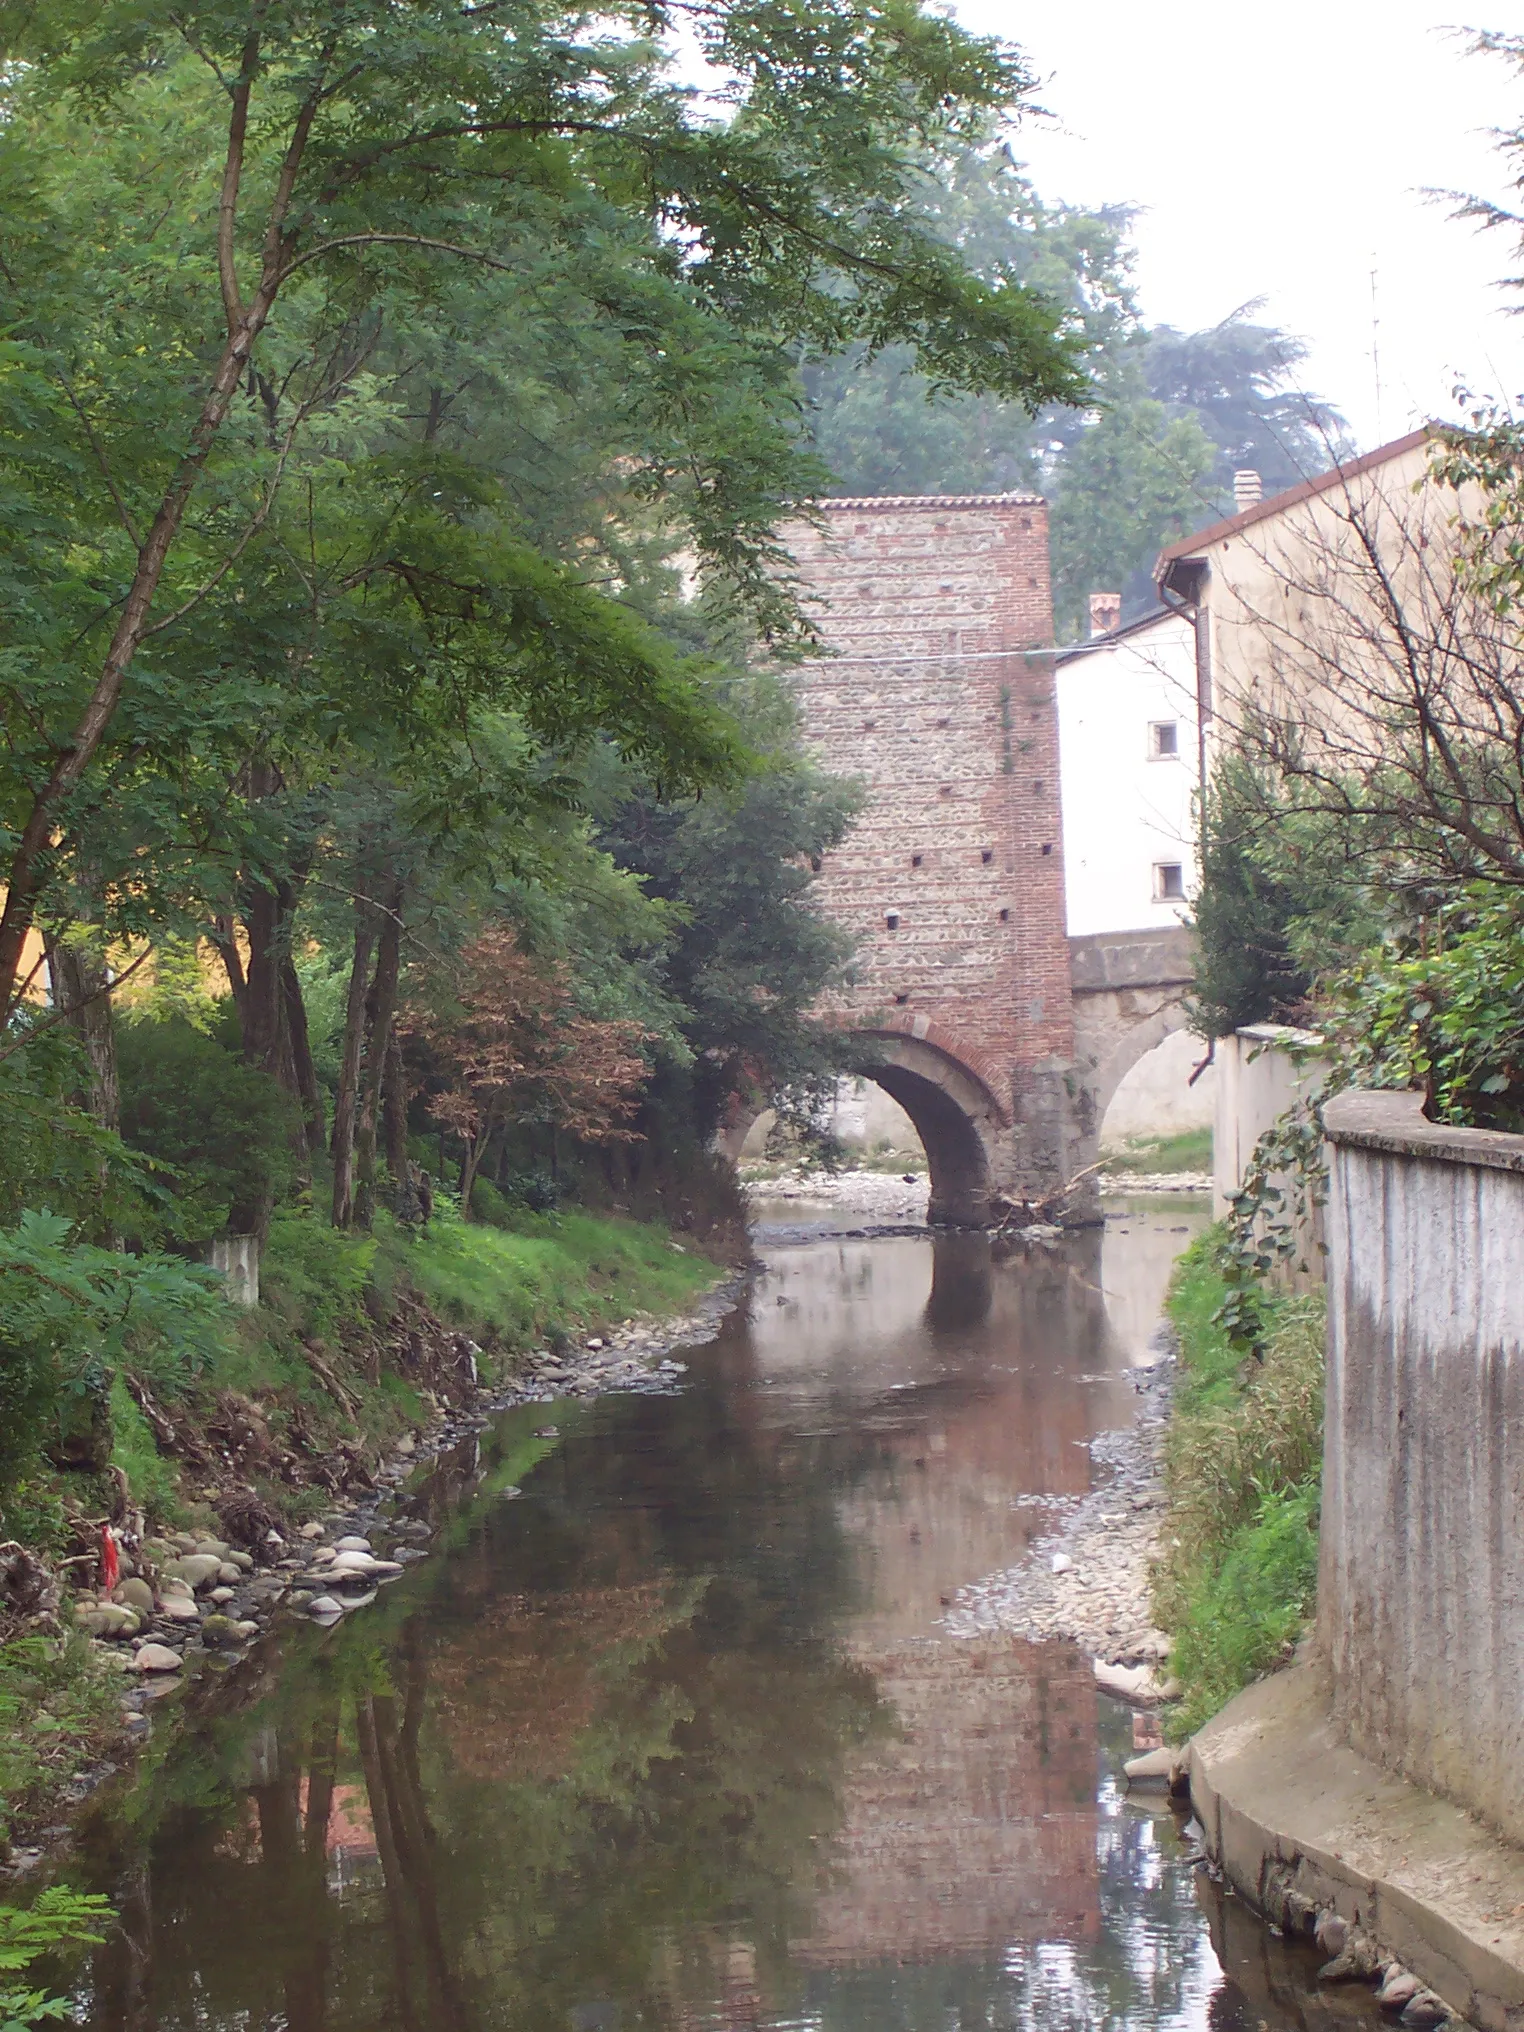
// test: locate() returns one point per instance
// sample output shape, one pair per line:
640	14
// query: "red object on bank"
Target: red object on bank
111	1565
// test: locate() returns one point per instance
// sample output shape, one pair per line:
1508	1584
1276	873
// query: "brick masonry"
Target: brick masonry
952	879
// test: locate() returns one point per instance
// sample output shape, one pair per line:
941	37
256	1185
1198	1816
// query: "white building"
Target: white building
1129	765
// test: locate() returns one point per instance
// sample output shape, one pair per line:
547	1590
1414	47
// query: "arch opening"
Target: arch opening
955	1154
1151	1114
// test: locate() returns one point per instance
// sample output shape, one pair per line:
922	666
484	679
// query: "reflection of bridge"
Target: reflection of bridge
1001	1038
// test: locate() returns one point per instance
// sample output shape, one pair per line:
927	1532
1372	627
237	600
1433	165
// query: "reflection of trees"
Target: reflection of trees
374	1838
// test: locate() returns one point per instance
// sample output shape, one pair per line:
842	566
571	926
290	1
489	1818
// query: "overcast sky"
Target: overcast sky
1282	152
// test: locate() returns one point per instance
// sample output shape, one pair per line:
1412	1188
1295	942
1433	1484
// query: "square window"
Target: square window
1163	739
1169	882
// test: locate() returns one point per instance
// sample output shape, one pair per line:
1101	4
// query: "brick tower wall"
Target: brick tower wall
929	604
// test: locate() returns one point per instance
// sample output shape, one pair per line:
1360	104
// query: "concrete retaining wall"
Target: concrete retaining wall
1258	1079
1421	1584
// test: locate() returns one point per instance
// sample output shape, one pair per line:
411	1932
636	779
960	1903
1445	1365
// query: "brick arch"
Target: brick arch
949	1095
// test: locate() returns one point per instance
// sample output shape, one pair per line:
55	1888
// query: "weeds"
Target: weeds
1243	1465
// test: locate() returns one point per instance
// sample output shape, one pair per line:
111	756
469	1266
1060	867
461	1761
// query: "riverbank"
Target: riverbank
231	1493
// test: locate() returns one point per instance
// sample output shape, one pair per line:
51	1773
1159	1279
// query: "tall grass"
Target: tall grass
1243	1467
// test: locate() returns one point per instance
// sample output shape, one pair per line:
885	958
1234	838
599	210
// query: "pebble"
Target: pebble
157	1658
1088	1578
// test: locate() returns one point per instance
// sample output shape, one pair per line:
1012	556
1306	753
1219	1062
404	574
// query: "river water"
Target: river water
666	1734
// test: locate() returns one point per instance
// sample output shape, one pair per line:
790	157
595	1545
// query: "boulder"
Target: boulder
157	1658
134	1594
196	1569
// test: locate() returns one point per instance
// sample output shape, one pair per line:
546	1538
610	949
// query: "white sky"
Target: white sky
1282	152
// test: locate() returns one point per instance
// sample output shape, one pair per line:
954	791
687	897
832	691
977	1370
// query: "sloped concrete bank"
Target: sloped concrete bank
1396	1881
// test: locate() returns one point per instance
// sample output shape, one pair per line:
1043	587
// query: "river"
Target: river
666	1733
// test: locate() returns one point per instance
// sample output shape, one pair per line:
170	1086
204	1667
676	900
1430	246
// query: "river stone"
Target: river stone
222	1594
1153	1768
325	1605
195	1569
218	1630
157	1658
108	1619
1425	2009
351	1544
406	1443
213	1548
179	1608
1399	1987
228	1574
244	1561
134	1594
312	1530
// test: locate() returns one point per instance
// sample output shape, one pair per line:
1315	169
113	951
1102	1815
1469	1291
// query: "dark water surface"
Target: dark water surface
670	1739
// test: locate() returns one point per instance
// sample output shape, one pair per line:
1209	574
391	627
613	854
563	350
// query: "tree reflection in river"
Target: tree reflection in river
671	1740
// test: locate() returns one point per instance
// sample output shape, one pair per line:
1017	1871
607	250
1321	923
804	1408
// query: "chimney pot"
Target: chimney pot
1105	612
1247	491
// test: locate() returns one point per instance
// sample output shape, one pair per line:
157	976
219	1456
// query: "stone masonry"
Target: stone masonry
940	697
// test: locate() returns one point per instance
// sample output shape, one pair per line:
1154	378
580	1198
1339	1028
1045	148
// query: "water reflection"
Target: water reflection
672	1739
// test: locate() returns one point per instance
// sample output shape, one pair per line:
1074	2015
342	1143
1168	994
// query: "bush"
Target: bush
72	1314
224	1126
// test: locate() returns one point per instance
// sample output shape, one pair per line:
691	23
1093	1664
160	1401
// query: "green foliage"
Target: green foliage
57	1918
57	1704
316	1277
1442	1011
72	1313
1191	1150
1254	889
223	1127
1245	1612
1243	1462
552	1271
151	1478
749	956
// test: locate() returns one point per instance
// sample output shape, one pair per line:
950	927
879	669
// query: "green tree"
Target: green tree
213	214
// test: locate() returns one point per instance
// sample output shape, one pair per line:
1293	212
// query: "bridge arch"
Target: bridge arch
955	1109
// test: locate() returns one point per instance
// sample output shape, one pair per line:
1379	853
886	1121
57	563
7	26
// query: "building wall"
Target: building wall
1127	811
1421	1578
930	605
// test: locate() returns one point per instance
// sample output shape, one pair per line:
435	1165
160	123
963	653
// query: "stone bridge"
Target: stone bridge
1001	1038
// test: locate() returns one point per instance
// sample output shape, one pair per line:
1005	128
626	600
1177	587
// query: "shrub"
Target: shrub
224	1126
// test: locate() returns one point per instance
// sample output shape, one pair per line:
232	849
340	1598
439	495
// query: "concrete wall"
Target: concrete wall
1421	1584
1128	810
1257	1081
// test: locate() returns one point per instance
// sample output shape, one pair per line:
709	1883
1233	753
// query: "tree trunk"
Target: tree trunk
304	1072
394	1124
81	985
261	1010
476	1150
381	1007
343	1144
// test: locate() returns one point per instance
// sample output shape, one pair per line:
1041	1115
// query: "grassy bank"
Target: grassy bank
358	1338
1243	1464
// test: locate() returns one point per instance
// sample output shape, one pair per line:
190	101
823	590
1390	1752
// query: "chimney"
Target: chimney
1105	612
1246	490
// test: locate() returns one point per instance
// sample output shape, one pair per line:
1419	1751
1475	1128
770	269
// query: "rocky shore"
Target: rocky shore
187	1602
1088	1578
873	1195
